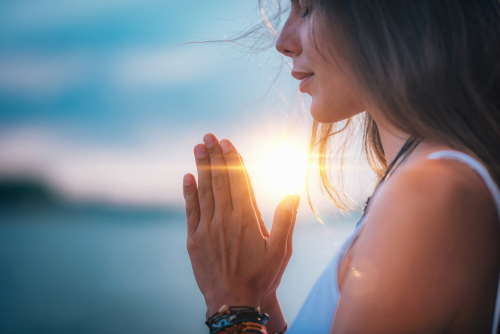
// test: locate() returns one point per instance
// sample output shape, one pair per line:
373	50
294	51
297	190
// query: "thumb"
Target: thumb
284	217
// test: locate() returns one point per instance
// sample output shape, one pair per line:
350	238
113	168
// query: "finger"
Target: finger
289	242
238	185
282	224
278	213
192	205
263	227
289	246
220	180
205	193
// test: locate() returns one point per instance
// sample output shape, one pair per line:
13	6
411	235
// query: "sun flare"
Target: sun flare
281	170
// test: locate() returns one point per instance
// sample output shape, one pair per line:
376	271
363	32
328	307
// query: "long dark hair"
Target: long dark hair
432	66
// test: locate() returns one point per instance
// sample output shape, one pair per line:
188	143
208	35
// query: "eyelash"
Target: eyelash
305	12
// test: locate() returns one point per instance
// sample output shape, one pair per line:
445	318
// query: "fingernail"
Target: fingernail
209	140
200	151
297	201
290	203
225	145
188	179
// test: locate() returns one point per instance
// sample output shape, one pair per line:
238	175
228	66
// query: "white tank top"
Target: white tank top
317	312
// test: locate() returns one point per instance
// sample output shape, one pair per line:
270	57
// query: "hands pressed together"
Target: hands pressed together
235	259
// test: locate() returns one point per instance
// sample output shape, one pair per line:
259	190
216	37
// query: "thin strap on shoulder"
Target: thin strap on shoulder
483	172
474	164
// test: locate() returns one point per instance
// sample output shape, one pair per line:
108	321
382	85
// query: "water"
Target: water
68	273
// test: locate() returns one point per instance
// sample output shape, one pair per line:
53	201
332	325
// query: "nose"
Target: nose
288	42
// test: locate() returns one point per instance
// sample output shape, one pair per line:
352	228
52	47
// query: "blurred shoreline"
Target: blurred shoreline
32	201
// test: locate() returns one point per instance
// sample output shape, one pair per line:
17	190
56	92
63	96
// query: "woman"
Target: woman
425	257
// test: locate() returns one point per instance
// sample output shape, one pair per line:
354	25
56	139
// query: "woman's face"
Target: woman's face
327	80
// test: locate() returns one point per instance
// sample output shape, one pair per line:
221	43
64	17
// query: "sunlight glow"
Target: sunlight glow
281	170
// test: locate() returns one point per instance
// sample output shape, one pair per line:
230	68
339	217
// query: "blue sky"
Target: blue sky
102	64
100	99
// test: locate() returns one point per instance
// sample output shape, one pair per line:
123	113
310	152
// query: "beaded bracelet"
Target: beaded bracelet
237	319
244	327
247	327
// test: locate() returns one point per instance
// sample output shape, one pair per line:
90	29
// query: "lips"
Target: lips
303	77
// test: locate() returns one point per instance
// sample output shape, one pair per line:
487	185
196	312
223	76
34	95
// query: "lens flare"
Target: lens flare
281	170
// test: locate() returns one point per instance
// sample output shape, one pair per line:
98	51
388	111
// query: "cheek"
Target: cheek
335	100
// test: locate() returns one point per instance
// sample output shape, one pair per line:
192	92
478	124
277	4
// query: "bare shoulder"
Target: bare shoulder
428	252
444	189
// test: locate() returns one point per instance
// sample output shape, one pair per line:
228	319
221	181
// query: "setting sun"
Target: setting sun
281	170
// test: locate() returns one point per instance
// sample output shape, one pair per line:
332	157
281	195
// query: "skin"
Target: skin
427	258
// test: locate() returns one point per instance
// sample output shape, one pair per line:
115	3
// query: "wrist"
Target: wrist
237	319
269	301
271	305
216	302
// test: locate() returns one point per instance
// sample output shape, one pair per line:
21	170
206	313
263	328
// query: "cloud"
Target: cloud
148	174
50	13
164	67
42	75
49	75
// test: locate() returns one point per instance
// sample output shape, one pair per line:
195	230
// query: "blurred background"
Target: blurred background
101	105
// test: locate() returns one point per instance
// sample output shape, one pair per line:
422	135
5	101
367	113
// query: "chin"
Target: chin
323	114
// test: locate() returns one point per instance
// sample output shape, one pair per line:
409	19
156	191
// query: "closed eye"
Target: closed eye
304	5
